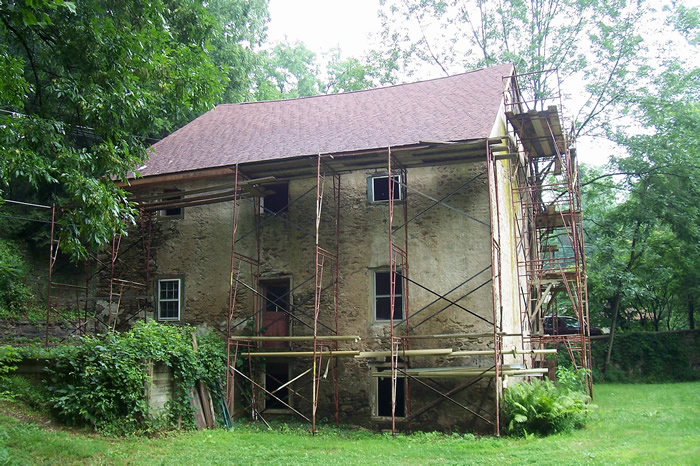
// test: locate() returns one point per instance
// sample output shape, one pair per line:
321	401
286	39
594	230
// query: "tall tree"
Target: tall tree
595	45
86	84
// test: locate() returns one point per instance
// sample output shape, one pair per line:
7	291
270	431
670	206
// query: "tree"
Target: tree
353	74
287	71
643	244
85	86
290	71
594	44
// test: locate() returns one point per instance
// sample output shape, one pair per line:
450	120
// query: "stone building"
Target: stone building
362	252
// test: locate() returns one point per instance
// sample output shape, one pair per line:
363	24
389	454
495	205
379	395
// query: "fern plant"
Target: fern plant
541	407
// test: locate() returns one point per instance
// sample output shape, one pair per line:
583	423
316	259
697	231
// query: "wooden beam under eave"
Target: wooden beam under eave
194	175
542	133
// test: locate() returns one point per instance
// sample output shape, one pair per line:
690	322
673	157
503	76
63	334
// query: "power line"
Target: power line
86	129
25	218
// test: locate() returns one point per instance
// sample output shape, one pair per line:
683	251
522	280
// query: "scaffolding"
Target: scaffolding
535	161
403	331
547	207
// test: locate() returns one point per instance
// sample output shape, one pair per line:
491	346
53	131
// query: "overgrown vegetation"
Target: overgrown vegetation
542	407
9	356
101	381
14	293
646	357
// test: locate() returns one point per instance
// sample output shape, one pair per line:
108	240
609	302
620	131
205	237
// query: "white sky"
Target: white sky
324	24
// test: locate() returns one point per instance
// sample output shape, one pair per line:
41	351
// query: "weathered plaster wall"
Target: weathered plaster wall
445	249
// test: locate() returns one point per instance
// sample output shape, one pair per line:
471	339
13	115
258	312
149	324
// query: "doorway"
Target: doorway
275	314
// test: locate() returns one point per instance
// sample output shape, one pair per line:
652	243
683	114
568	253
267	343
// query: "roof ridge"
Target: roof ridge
439	78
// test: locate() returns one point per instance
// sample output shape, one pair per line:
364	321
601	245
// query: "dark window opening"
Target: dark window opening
278	201
276	296
171	195
276	375
382	296
384	397
380	188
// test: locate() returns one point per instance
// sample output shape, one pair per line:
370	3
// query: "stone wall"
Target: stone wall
445	249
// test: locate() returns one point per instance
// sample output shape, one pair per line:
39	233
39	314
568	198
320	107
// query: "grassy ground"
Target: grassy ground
632	424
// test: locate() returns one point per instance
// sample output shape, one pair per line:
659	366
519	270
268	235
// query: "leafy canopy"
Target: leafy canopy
85	86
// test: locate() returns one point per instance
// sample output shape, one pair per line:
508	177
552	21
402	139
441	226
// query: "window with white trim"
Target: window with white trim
169	295
378	188
382	296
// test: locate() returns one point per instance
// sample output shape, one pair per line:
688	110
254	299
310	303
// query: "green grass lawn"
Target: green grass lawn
632	424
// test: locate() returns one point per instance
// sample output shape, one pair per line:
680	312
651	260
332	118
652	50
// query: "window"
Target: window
277	375
169	296
172	212
378	188
277	202
382	296
383	405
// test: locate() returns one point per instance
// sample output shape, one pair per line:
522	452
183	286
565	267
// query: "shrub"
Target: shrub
101	381
541	407
14	293
647	357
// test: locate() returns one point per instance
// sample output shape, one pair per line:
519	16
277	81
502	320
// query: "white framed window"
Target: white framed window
378	188
382	395
382	296
169	303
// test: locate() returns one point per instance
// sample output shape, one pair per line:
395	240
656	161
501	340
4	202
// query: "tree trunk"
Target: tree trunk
616	309
691	312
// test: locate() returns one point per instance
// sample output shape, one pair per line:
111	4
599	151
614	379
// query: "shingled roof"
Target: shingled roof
456	108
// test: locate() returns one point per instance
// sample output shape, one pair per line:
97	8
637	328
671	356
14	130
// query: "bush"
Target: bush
101	381
541	407
14	294
647	357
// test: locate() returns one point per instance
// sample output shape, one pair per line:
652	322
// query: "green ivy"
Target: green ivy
101	380
647	357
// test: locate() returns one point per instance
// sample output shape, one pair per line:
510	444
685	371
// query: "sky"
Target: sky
325	24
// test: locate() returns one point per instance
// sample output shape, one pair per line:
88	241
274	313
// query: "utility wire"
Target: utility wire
86	129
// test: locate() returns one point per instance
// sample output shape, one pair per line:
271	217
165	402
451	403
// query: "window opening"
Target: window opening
278	201
172	212
276	375
379	188
384	396
382	296
169	298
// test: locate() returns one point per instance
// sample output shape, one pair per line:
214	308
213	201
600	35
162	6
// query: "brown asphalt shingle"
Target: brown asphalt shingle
454	108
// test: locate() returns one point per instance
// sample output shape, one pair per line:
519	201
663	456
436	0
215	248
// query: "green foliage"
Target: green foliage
19	388
9	355
541	407
643	234
646	357
101	381
14	293
69	127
